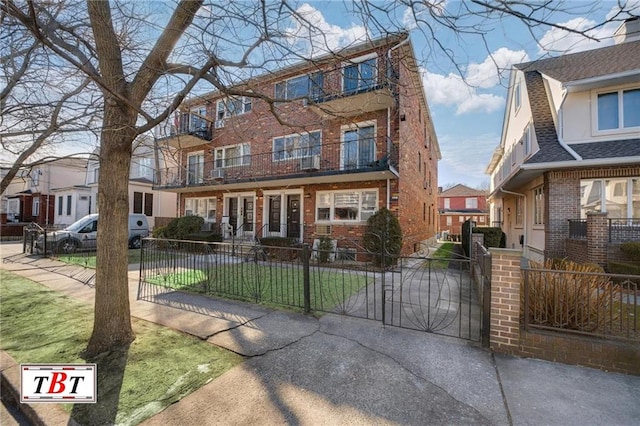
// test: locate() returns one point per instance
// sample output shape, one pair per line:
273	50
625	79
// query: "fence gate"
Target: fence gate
434	295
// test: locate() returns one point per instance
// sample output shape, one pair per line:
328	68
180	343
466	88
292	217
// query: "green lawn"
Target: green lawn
442	255
88	259
159	368
267	284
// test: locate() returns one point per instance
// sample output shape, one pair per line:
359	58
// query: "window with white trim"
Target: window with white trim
233	155
358	147
447	203
197	119
353	206
517	97
538	206
519	211
360	74
471	203
195	167
526	140
308	85
297	146
35	207
618	110
203	207
449	221
619	197
233	105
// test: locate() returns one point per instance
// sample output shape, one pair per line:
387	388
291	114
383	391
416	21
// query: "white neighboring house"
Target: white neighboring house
142	197
570	145
33	194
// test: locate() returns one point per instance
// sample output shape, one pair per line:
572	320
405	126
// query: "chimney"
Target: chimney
628	31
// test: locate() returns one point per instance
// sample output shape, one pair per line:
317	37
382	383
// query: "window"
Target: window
419	161
619	109
359	76
299	87
517	97
35	207
235	105
519	211
233	155
195	168
346	205
538	206
297	146
94	175
142	168
69	200
203	207
35	177
471	203
60	205
358	147
447	203
481	219
449	221
526	141
620	198
197	119
143	203
461	219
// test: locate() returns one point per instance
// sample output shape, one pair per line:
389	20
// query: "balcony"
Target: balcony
187	131
368	159
355	89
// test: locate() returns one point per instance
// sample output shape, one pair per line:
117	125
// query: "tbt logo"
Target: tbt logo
58	383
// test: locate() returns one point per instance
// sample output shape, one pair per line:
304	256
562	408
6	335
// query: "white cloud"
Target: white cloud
419	10
317	36
495	67
452	89
456	152
559	40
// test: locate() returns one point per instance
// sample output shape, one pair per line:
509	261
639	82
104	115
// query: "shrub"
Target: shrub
623	268
180	227
325	247
631	250
562	295
493	237
279	248
383	237
159	232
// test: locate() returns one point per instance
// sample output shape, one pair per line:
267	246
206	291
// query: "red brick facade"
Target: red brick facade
404	137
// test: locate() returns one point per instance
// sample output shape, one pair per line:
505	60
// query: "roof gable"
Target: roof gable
460	190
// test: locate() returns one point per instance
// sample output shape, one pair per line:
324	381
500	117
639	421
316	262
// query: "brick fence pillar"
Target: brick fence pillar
597	238
505	300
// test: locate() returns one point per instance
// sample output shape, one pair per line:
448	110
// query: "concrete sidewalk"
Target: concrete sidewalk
340	370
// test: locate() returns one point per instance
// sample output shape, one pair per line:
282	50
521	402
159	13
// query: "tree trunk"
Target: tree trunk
112	322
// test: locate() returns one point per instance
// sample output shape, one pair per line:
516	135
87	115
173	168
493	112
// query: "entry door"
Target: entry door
233	213
246	212
293	216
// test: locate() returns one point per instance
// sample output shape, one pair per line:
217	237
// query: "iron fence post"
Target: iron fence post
306	278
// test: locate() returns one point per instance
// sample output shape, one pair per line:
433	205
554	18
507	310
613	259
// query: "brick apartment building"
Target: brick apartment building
349	133
460	203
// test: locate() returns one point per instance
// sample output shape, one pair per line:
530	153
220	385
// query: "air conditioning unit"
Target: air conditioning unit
322	229
310	163
217	174
218	124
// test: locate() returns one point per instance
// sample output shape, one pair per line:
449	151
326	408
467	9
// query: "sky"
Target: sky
466	88
467	95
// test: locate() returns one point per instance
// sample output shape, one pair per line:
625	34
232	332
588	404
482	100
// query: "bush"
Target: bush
623	268
208	236
325	247
570	300
383	237
279	248
493	237
631	250
180	227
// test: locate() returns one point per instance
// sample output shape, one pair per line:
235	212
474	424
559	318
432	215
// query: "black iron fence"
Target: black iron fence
619	229
417	292
483	281
364	155
597	304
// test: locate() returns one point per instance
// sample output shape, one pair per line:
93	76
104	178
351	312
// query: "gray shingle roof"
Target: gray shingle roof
608	149
460	190
591	63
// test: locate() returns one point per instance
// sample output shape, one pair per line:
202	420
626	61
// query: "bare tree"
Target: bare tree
116	58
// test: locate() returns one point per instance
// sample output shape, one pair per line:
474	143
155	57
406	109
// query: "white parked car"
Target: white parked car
82	234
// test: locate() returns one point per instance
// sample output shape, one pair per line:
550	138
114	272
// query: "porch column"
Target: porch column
597	238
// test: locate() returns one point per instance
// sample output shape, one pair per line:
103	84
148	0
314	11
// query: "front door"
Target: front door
293	216
233	213
246	212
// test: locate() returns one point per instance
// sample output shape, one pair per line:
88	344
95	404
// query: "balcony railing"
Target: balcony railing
366	155
191	128
619	230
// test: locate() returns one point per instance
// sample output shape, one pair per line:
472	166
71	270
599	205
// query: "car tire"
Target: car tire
67	246
135	243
